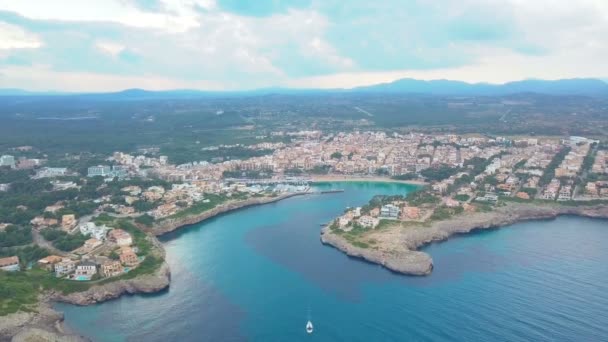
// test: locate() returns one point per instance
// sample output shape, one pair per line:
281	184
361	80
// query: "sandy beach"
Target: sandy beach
343	178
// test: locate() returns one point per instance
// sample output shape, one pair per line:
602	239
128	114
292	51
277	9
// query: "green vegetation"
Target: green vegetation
140	239
145	220
439	173
16	293
444	213
520	164
26	254
419	198
320	169
405	177
62	240
200	207
550	170
336	155
8	175
462	198
15	236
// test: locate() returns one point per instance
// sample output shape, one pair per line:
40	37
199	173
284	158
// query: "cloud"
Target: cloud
14	37
248	44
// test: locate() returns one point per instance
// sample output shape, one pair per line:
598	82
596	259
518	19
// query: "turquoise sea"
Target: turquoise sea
258	273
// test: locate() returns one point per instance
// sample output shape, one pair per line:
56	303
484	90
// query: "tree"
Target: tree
336	155
145	220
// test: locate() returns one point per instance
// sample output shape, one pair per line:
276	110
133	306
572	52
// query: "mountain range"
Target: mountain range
577	86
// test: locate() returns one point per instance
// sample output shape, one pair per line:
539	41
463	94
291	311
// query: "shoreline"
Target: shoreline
171	225
44	323
47	324
374	179
399	248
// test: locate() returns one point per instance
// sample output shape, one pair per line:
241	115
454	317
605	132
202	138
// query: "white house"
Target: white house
64	267
86	269
96	232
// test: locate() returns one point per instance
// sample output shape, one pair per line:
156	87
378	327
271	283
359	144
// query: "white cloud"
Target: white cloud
194	44
111	48
44	78
14	37
180	16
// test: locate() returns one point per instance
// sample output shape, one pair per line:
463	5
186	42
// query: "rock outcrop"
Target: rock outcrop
397	248
148	283
43	325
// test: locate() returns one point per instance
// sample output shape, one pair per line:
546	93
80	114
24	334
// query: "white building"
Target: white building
64	267
389	211
96	232
99	170
7	160
86	269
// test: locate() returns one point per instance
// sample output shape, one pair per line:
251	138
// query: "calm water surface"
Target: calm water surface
256	274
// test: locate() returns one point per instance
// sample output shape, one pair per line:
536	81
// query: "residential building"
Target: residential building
99	170
85	270
10	264
52	172
48	263
389	211
128	257
94	231
111	268
120	237
64	267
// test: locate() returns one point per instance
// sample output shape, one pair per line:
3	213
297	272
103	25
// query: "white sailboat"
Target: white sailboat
309	327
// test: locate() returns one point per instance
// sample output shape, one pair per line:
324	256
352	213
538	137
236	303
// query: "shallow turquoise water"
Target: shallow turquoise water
255	274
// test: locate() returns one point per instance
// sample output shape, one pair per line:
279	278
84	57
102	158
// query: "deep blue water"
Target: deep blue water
255	274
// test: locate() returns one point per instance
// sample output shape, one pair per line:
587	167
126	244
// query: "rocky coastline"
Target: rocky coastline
397	247
170	225
46	324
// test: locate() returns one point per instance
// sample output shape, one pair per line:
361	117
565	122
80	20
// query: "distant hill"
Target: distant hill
21	92
577	86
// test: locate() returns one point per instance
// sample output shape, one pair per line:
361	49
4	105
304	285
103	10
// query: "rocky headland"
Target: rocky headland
396	246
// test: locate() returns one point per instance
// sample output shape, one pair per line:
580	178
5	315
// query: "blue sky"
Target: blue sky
104	45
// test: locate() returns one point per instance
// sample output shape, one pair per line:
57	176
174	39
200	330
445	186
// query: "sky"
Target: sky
108	45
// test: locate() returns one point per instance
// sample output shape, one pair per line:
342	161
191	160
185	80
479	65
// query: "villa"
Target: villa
64	267
120	237
85	270
111	268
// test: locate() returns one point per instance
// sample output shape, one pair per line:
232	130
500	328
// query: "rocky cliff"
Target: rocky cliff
396	247
148	283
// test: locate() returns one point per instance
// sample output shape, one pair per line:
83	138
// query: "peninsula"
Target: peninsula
522	180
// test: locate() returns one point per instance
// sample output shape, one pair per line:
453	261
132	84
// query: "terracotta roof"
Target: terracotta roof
9	261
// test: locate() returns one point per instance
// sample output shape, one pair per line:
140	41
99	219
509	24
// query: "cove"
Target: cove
256	273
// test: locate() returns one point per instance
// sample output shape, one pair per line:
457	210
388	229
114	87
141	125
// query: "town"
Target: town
89	223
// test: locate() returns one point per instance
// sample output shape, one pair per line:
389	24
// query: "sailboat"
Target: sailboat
309	327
